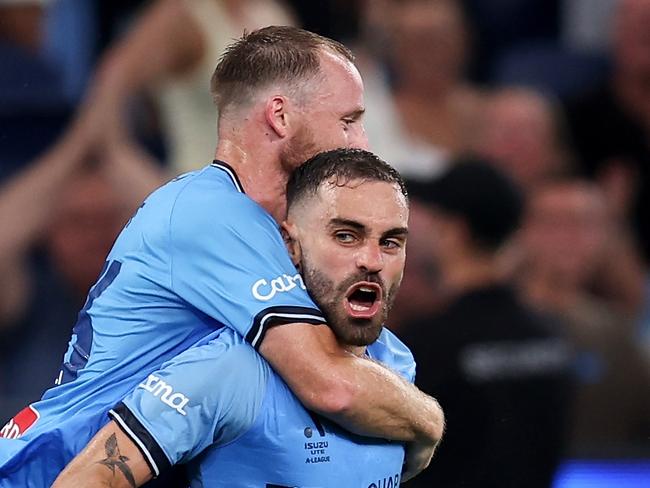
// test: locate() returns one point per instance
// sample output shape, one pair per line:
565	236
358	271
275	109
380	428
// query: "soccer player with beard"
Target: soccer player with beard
238	424
204	252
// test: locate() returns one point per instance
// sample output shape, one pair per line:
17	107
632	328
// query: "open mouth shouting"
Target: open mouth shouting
363	300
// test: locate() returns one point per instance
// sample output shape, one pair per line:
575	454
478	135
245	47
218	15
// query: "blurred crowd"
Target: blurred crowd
522	125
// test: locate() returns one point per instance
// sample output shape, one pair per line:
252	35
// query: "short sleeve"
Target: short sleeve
228	260
391	351
208	395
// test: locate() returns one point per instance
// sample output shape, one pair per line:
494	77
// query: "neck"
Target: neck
356	350
258	169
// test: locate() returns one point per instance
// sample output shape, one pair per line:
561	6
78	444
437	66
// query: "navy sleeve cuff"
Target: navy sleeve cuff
133	428
272	316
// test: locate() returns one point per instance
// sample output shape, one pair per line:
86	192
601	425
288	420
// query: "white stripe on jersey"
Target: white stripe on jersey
271	315
115	416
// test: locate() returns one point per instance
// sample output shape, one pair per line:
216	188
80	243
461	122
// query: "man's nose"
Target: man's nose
370	258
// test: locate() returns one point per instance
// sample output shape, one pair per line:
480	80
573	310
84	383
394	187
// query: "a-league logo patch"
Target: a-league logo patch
21	422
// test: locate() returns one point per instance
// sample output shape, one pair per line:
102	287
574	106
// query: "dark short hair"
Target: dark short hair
340	166
268	55
482	196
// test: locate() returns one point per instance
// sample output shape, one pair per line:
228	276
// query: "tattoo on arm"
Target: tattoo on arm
114	459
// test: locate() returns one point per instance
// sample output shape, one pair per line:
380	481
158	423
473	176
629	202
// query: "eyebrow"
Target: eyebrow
397	231
347	222
355	115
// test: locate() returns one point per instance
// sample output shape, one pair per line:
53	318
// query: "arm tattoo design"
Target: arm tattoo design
114	459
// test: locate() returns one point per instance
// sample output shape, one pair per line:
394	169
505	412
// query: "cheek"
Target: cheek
357	138
394	268
333	137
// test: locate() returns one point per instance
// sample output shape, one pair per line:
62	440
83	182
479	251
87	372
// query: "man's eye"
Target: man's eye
344	237
392	244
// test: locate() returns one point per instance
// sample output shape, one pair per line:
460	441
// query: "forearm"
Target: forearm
28	199
165	36
109	459
383	404
131	171
360	395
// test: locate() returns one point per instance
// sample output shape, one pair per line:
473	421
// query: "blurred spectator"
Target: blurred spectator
500	369
170	52
523	133
611	126
566	238
428	113
59	218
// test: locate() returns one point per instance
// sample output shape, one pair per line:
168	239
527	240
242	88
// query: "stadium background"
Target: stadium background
554	93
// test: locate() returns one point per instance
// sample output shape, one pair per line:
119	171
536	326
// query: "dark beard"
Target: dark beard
348	330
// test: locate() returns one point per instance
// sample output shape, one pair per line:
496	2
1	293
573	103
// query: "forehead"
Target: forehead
375	204
341	80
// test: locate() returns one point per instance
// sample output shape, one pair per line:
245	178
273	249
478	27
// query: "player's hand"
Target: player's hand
418	456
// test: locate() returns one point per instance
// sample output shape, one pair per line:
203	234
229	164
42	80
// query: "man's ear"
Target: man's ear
276	115
290	235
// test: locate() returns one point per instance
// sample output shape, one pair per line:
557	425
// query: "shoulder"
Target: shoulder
213	198
391	351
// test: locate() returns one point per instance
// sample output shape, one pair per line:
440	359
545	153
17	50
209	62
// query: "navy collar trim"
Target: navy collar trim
226	168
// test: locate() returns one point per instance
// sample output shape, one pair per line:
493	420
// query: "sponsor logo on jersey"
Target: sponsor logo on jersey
20	424
264	290
388	482
165	392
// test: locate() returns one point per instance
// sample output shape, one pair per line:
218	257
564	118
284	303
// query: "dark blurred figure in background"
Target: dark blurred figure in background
566	237
501	369
611	126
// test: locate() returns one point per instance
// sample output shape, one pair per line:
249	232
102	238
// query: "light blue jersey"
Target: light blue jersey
222	409
197	256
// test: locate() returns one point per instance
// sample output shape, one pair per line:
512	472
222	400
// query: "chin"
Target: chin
360	332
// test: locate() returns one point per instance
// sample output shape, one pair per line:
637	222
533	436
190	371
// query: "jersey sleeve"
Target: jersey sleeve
208	395
391	351
228	260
